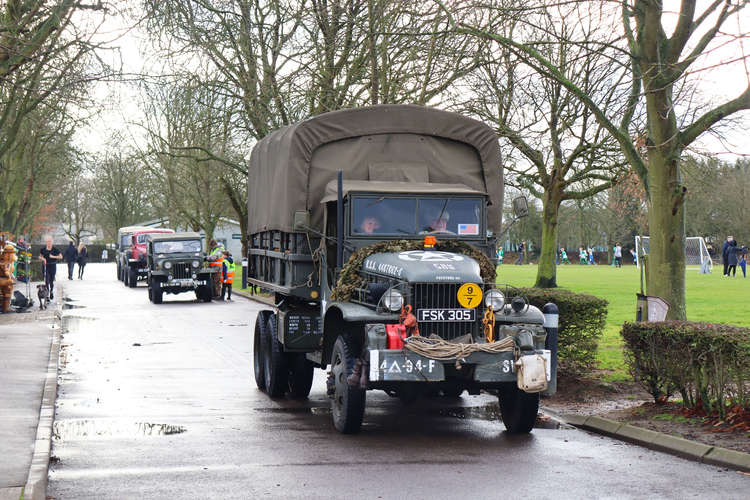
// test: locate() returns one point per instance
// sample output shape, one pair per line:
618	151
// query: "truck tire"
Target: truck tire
301	372
119	276
348	403
276	371
261	329
157	294
204	293
518	409
132	278
124	273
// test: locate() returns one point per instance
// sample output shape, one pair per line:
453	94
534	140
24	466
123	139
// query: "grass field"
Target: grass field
710	297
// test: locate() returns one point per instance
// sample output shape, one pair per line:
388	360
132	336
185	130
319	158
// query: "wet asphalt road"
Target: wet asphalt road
160	402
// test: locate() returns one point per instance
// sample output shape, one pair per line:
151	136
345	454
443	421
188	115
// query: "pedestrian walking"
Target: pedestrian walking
83	254
105	255
618	255
519	260
49	255
724	254
732	258
71	255
582	256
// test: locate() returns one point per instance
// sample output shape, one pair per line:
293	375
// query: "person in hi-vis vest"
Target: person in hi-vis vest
228	275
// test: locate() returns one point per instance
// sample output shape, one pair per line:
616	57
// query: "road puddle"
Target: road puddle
68	305
76	429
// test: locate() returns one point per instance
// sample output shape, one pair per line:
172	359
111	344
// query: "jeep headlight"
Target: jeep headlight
196	263
393	300
494	299
167	265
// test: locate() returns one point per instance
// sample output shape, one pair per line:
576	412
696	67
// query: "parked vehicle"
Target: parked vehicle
384	276
176	263
135	256
122	246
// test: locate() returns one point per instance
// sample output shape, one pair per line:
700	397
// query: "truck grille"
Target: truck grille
182	271
441	296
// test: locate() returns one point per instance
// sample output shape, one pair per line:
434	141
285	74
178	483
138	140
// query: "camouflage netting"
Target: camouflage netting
350	279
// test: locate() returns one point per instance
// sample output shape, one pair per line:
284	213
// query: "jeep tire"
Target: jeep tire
348	402
301	372
276	371
261	330
155	292
518	409
132	277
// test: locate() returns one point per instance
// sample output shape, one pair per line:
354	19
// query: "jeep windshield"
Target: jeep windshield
177	246
399	216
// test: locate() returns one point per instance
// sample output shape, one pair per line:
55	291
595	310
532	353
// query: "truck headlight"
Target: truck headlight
196	263
393	300
167	265
494	299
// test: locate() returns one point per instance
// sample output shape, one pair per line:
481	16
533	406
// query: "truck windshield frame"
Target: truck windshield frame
177	246
409	216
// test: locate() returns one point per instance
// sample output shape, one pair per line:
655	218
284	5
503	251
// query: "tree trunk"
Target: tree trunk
666	218
546	274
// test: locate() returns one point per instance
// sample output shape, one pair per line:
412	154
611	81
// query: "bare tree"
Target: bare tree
658	63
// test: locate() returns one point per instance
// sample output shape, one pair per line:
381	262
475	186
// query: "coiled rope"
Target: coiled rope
442	350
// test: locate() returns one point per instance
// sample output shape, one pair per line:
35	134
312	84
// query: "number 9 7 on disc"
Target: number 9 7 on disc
469	295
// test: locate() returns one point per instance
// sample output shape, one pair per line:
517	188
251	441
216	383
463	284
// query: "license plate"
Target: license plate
433	315
182	282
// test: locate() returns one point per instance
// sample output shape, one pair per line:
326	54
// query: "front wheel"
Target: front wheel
348	403
132	278
518	409
157	294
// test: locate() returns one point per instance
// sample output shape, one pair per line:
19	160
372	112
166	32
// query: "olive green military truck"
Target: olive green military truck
375	230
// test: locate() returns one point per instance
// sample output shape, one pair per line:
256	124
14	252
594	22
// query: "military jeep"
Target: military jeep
376	230
176	264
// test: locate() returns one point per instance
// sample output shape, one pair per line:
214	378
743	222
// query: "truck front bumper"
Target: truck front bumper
402	365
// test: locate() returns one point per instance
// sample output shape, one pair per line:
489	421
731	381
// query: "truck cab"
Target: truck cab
135	255
386	275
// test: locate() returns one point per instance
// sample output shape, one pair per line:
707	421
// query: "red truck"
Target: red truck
135	266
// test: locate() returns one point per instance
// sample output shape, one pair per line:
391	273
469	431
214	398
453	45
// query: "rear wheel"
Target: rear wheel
124	274
132	278
119	272
348	404
261	329
275	368
157	294
301	372
518	409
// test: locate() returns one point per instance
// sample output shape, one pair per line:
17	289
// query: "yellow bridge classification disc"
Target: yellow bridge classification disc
469	295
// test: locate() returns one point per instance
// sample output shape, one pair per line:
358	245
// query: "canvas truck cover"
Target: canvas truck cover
290	168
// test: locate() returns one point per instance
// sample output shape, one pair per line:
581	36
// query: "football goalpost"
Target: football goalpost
696	252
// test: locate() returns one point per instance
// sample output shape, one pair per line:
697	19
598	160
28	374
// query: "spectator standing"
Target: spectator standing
500	256
635	256
521	247
71	255
592	262
105	256
618	255
743	261
732	259
49	255
83	254
724	254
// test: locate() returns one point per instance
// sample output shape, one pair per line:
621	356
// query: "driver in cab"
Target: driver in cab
438	223
369	225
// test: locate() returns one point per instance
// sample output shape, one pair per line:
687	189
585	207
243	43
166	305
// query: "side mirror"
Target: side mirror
520	207
301	220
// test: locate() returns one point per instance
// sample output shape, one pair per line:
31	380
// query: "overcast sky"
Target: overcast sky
119	100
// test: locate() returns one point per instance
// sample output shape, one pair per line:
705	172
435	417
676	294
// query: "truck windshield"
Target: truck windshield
409	216
125	240
178	246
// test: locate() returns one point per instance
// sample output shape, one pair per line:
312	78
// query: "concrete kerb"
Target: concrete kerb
659	441
36	482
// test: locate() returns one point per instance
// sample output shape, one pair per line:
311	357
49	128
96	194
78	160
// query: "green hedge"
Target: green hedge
708	364
582	319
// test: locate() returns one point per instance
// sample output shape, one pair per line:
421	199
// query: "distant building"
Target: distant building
227	232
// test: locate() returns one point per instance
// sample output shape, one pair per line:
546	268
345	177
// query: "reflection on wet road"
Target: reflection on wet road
158	401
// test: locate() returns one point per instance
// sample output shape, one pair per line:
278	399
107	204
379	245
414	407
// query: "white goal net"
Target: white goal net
696	252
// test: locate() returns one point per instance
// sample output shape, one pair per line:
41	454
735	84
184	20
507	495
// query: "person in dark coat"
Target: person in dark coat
724	249
83	254
70	255
732	258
